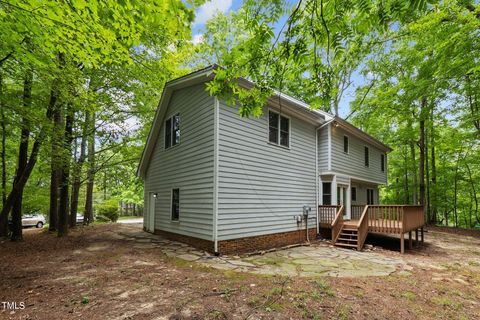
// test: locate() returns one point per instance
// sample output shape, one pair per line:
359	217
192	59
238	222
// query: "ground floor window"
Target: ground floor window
327	193
354	194
175	204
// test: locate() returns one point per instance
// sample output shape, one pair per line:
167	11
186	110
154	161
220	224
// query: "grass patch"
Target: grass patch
324	288
128	217
447	303
409	295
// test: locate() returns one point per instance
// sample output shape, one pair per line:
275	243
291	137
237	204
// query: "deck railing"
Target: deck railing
327	213
394	218
337	224
356	211
362	228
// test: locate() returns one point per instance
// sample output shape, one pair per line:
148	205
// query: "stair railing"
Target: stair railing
337	224
362	227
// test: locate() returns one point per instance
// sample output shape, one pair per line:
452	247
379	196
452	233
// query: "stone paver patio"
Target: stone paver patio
318	259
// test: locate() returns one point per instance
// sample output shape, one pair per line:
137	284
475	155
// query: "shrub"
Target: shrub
108	210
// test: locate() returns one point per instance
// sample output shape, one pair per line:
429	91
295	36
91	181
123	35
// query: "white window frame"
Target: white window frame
171	205
348	144
280	115
171	130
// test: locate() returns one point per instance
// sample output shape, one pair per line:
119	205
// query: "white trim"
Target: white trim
317	178
334	173
216	129
280	115
333	191
329	151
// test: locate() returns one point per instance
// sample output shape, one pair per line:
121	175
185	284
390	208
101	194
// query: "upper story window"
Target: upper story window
367	157
172	131
345	144
278	129
382	162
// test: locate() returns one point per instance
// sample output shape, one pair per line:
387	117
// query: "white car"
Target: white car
33	220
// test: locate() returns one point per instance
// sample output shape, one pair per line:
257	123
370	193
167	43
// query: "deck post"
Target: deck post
421	232
402	245
410	240
416	237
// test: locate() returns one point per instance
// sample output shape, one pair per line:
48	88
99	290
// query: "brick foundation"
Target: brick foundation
243	245
202	244
263	242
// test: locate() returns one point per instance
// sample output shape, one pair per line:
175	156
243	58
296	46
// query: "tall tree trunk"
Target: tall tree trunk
55	168
4	144
434	172
455	192
20	182
421	145
22	156
77	171
407	195
88	213
474	192
63	208
414	176
427	178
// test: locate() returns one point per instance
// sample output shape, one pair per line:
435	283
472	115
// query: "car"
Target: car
79	218
33	220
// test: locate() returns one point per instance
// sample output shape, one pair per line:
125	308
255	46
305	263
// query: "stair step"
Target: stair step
349	229
346	245
349	234
345	239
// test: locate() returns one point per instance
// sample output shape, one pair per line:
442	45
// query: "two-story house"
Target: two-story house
227	184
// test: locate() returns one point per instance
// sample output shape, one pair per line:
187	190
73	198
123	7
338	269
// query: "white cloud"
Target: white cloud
198	38
209	9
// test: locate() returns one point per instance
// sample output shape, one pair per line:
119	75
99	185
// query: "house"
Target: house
228	184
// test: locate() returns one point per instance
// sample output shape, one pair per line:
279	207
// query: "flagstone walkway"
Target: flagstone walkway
318	259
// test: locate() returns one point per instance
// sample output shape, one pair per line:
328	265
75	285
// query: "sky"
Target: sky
210	8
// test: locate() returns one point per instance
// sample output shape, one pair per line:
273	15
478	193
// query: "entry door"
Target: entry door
370	196
342	195
151	212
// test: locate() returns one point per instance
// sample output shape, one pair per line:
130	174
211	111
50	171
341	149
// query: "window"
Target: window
175	204
327	193
367	157
354	194
278	129
172	131
369	196
382	162
345	144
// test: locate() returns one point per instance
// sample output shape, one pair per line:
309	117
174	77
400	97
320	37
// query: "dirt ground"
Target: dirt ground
93	274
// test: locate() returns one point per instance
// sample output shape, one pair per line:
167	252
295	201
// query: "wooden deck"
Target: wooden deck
392	219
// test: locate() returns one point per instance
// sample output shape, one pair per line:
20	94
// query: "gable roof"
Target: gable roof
278	99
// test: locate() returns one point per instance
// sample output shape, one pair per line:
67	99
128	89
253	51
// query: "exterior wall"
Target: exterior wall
187	166
362	193
323	149
353	163
261	187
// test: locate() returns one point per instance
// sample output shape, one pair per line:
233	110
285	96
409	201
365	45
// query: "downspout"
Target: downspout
215	174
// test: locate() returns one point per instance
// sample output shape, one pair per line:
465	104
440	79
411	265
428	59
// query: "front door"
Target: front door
370	199
342	196
151	212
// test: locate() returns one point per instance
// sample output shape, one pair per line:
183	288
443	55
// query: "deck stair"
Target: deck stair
348	237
